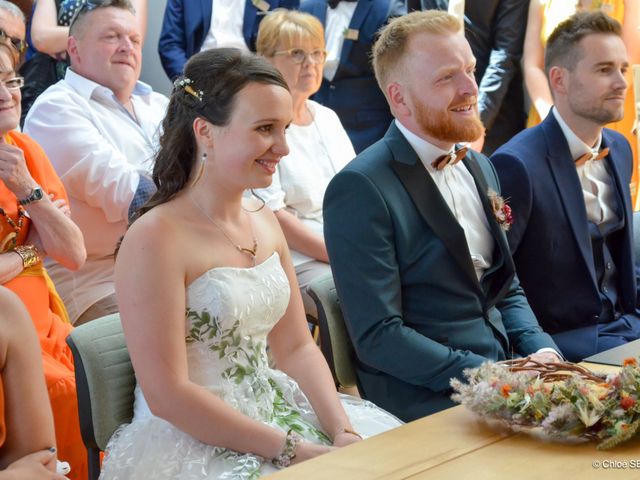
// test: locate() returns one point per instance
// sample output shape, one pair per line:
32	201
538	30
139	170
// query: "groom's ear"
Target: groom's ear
396	95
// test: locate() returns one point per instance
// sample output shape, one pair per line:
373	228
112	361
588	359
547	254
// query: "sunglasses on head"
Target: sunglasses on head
19	44
87	6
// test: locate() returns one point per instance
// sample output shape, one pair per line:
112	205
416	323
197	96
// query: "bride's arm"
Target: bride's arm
296	354
150	286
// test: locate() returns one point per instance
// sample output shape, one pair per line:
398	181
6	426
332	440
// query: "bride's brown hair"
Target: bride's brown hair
211	81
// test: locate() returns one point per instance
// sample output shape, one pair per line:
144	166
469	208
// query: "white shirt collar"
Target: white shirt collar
427	152
576	146
86	87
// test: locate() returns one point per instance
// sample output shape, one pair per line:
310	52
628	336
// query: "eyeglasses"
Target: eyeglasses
298	55
15	83
19	44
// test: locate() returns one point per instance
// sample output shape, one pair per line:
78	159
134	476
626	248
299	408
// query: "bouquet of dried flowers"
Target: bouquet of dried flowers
560	401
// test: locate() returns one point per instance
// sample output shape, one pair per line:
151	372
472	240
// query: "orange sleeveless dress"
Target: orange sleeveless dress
34	291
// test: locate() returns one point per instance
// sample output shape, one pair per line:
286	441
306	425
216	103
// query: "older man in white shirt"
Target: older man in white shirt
100	128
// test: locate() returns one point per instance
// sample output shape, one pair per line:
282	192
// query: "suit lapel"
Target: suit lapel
496	278
613	161
249	18
429	203
567	182
206	9
320	11
362	10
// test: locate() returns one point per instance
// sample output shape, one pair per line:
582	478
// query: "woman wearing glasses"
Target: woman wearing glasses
293	42
35	223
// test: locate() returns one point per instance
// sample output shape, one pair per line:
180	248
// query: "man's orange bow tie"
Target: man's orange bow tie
582	159
450	158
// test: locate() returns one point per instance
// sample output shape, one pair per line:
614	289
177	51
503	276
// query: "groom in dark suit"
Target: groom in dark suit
415	235
567	181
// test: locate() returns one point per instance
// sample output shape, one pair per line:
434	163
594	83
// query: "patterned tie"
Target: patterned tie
450	158
582	159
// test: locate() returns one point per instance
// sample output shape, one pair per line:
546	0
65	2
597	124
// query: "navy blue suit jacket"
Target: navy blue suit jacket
550	238
186	24
354	93
412	303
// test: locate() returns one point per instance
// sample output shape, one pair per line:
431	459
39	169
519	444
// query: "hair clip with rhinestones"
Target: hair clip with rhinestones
185	83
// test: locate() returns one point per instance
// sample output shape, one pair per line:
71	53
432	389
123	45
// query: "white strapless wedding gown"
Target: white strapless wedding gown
230	311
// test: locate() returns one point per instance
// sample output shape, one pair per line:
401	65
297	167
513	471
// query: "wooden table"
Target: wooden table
453	444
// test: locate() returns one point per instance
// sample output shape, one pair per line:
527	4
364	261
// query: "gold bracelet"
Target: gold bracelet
348	430
28	254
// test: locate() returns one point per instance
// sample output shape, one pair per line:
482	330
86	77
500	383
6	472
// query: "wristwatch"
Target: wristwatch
35	195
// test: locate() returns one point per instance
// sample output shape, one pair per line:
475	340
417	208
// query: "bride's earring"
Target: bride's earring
203	160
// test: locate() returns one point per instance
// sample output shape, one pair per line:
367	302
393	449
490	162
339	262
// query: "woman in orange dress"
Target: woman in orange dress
544	16
34	223
27	441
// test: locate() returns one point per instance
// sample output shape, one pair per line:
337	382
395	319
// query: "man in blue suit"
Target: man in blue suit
349	85
567	181
188	26
415	233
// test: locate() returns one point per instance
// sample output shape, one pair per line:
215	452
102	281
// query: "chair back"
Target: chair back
105	383
334	339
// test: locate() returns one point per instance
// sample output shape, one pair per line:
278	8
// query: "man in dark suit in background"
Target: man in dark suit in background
189	26
415	234
567	181
495	30
349	85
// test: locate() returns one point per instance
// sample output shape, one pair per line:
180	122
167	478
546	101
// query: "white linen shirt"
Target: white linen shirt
316	153
596	182
338	20
458	188
99	150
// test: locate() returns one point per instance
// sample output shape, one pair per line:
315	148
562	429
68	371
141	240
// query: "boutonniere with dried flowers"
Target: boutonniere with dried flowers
501	211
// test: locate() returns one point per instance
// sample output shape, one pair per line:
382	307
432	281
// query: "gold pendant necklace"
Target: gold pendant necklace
249	251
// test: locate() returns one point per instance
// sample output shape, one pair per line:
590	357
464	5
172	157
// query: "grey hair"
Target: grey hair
13	9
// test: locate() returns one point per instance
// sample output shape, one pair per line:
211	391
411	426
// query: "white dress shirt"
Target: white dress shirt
227	19
458	188
597	184
337	23
99	150
316	153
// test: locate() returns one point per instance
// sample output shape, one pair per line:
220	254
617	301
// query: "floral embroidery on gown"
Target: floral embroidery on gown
230	311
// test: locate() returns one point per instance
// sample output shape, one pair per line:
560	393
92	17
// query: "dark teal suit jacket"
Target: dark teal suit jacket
414	309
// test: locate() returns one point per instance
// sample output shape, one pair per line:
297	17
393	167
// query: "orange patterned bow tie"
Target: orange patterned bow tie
450	158
582	159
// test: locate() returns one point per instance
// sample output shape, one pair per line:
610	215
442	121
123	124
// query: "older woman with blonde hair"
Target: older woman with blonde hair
293	42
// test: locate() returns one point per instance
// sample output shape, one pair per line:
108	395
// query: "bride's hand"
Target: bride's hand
306	450
345	438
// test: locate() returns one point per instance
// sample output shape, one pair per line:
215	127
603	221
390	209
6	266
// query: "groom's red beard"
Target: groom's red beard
442	124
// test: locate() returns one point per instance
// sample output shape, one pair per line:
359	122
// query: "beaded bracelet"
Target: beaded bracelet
288	453
28	254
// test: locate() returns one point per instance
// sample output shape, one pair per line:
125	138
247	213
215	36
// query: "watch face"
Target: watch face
37	194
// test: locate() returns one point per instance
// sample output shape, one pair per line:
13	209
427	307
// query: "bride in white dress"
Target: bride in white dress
204	282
